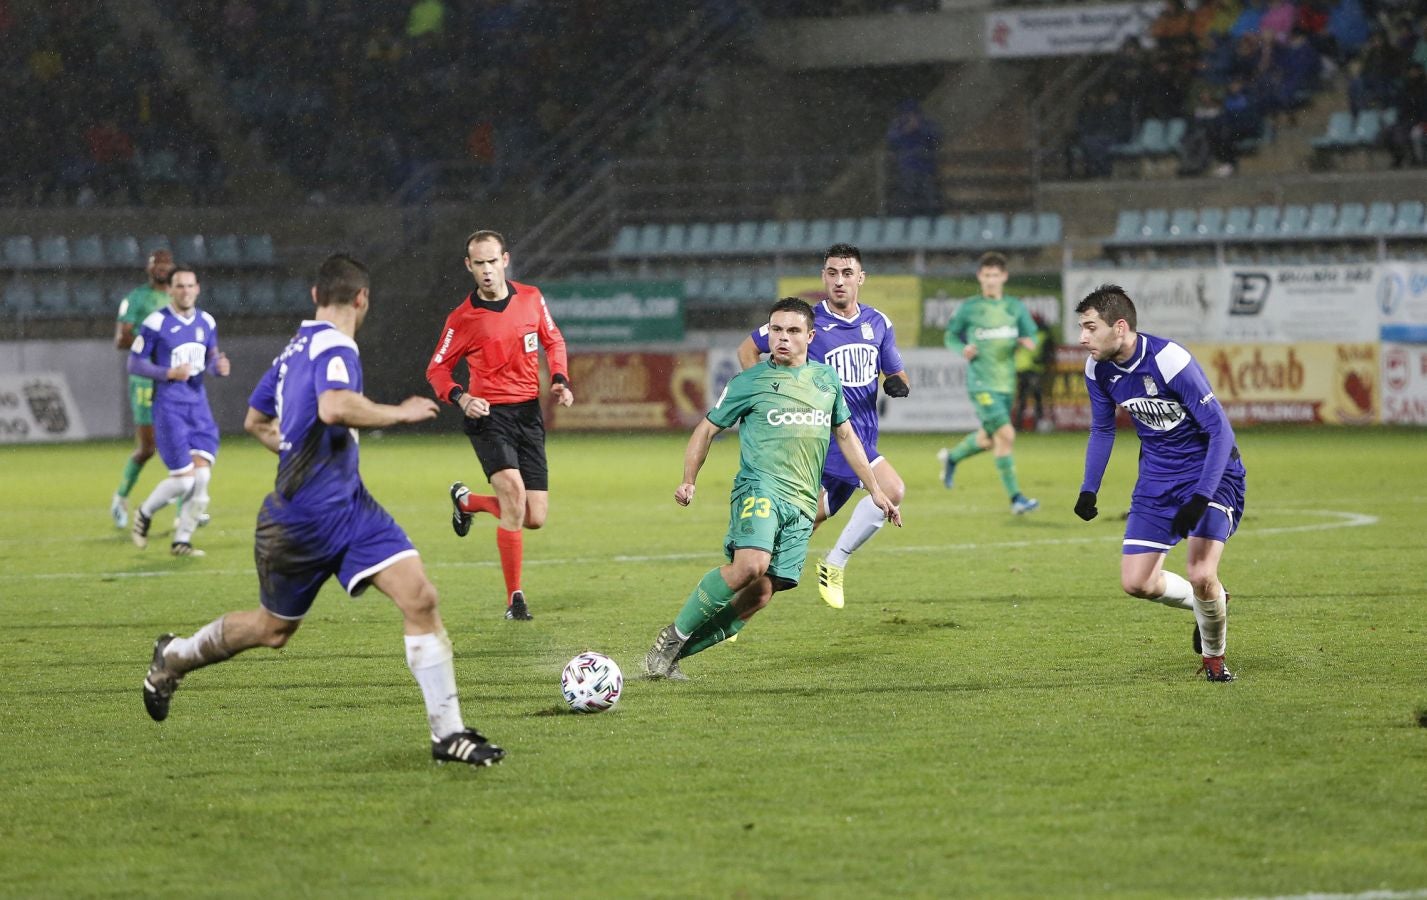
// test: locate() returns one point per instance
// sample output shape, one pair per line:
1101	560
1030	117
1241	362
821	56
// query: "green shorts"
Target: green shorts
993	409
141	399
759	519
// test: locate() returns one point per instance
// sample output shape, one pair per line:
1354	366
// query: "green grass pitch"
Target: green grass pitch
988	716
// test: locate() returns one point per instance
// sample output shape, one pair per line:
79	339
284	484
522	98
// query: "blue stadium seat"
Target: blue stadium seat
1182	223
88	296
1151	134
795	236
993	229
20	297
1238	222
258	250
721	238
1210	226
223	296
693	287
893	236
88	252
1127	226
943	233
651	238
155	242
1380	218
819	236
190	249
1351	220
52	295
1367	127
770	237
1048	228
968	231
740	289
1265	222
1339	132
699	238
745	238
1023	230
765	289
295	293
844	231
868	233
262	294
1174	133
1155	227
223	250
919	232
1409	217
1321	219
1294	222
625	241
716	290
54	252
123	250
20	252
674	240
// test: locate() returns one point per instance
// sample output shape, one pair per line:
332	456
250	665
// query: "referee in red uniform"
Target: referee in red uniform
499	330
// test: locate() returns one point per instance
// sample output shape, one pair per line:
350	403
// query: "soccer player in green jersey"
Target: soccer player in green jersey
986	329
133	309
788	408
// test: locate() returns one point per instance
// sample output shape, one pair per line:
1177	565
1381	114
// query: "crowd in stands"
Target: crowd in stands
354	99
1232	69
90	118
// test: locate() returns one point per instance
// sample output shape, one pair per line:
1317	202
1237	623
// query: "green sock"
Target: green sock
1006	468
710	596
967	447
720	628
131	475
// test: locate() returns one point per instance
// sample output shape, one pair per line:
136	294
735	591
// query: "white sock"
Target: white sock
204	648
195	504
1177	592
165	492
866	519
429	658
1213	620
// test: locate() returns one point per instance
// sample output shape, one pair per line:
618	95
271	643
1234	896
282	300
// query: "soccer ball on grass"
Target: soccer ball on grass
591	682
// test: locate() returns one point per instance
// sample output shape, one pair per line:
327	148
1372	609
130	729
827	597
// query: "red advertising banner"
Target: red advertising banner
634	392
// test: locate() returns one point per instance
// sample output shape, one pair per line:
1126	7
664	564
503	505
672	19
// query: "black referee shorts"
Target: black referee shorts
512	437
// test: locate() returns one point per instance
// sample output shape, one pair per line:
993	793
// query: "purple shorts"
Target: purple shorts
182	430
1147	530
296	555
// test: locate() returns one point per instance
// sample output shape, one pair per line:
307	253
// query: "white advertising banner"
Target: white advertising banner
938	401
1180	304
38	407
1402	302
1404	384
1067	30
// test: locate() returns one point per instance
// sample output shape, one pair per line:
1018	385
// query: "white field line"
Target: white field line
1336	520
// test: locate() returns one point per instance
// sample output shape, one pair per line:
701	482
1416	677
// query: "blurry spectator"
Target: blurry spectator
1278	20
1419	50
1035	371
1162	91
914	142
1407	139
1250	20
1313	16
1382	66
1349	27
111	150
1294	74
1103	122
1203	142
427	17
1173	31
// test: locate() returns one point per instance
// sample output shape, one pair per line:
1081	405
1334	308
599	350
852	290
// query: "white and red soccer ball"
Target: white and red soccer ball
591	682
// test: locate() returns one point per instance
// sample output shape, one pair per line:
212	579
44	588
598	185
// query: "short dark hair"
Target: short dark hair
340	279
991	260
181	267
843	251
1111	303
484	234
793	304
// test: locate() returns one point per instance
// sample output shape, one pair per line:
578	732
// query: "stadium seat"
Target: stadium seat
1409	218
968	231
1155	227
1151	134
700	236
795	236
993	230
223	250
1238	222
721	239
919	232
155	242
1182	223
190	249
258	250
765	289
1339	132
1367	127
770	237
88	297
625	241
651	238
893	236
262	294
819	236
943	233
20	252
1022	231
1351	219
716	290
123	250
740	290
88	252
1127	226
745	238
1210	226
1174	133
294	293
844	231
1380	218
1265	222
223	296
693	287
1048	228
868	233
52	298
1321	219
54	252
20	297
1294	221
673	240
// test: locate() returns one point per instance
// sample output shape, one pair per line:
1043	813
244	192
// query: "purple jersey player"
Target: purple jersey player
859	343
1191	480
175	346
319	521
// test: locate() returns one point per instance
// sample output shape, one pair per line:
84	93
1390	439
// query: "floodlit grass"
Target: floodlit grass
989	716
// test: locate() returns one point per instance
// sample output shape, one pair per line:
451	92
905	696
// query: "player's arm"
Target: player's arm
896	383
856	456
694	455
218	360
141	361
450	348
954	331
1027	328
263	427
556	356
748	353
1097	450
354	410
1192	386
123	335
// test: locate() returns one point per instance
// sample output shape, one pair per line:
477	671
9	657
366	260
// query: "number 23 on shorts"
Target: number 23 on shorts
756	506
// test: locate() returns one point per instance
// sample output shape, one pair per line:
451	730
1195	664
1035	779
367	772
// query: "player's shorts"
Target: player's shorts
993	409
512	437
1147	530
840	488
296	556
141	399
181	431
759	519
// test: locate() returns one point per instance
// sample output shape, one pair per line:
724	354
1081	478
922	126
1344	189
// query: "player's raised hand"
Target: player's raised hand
563	395
684	494
221	365
418	409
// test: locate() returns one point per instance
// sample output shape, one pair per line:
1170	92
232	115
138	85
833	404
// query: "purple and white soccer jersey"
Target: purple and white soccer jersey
319	520
859	349
183	423
1186	443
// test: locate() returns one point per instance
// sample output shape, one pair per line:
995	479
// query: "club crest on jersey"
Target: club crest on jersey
867	331
1151	389
532	341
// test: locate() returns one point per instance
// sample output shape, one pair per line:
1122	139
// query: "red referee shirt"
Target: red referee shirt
500	343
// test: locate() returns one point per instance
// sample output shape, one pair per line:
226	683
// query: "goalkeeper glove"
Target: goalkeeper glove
1085	506
896	386
1189	515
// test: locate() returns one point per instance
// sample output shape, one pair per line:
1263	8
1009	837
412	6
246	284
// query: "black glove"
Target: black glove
896	386
1189	515
1085	506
